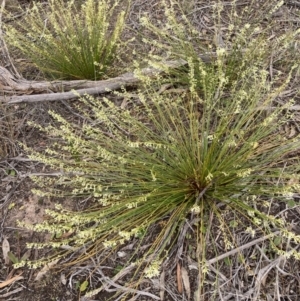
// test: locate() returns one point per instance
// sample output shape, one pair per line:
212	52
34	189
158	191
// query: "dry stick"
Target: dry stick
294	3
11	293
110	282
238	249
8	84
127	79
11	85
100	87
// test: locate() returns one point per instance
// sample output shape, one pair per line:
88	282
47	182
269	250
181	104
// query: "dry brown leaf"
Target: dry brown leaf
293	131
162	285
45	270
163	88
5	250
206	19
11	280
66	235
179	279
26	255
186	282
263	273
121	254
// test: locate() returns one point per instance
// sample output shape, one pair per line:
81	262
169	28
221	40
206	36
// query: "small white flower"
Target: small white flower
209	177
251	231
153	269
221	51
153	175
195	209
230	27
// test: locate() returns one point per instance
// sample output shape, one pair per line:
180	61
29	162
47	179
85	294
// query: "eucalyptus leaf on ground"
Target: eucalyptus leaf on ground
10	281
45	270
5	250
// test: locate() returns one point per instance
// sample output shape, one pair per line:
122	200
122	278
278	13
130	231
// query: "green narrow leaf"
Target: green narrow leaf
118	268
241	258
83	286
291	203
12	257
77	285
233	224
277	241
11	172
227	261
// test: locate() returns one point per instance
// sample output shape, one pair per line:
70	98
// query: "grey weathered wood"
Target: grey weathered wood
72	89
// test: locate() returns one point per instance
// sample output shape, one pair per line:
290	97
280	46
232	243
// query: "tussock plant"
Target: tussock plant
206	161
66	40
246	40
173	158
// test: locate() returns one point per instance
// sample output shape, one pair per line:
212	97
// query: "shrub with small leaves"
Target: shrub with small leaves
66	40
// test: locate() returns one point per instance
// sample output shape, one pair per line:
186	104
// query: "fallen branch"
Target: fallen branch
74	89
21	90
112	282
17	290
24	91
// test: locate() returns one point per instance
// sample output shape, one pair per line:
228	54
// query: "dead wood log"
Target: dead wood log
20	90
35	91
32	91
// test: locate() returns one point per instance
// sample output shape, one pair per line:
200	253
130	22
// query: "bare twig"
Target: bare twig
8	83
17	290
293	3
245	246
110	282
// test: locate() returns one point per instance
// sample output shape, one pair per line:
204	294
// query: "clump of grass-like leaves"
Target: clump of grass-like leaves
170	156
247	40
193	156
71	41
